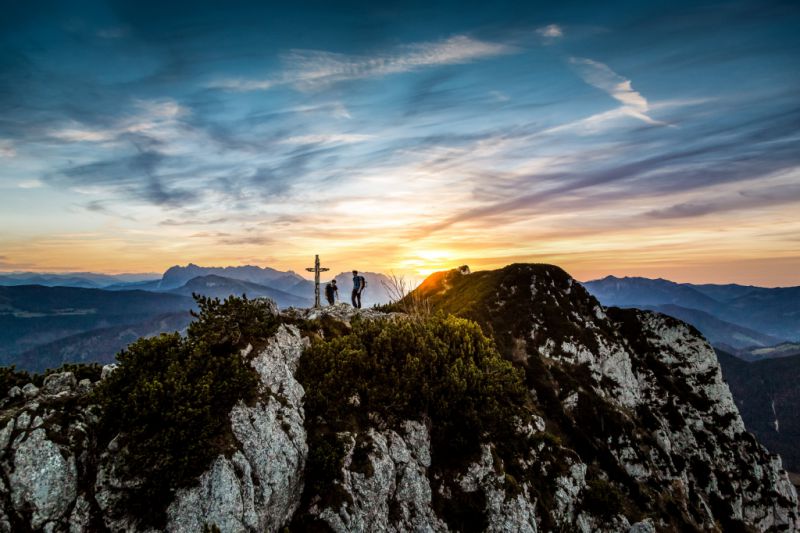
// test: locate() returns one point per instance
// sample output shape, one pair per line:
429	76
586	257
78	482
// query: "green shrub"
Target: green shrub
442	369
170	398
325	459
11	377
233	322
602	499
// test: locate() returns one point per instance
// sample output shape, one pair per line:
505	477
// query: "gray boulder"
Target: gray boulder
43	480
60	382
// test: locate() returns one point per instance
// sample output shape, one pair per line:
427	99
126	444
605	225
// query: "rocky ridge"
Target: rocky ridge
630	404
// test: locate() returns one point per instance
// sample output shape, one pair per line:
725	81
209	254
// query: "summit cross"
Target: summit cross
316	270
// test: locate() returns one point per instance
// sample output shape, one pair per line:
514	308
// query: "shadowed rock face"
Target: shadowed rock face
767	395
635	431
636	394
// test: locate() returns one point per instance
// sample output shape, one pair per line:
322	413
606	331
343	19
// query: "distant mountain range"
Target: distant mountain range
726	335
50	319
375	292
33	315
86	280
98	345
292	289
222	287
733	317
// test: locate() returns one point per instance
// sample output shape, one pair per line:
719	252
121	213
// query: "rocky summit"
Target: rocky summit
506	400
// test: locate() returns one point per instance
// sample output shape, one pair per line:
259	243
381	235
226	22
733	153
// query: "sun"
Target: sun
427	261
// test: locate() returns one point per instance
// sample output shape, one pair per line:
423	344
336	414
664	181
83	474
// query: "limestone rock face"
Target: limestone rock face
39	467
340	311
643	393
61	382
107	370
391	491
259	487
42	480
505	512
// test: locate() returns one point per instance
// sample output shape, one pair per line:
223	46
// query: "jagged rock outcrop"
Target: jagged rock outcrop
259	487
390	491
46	464
640	395
341	311
635	431
44	446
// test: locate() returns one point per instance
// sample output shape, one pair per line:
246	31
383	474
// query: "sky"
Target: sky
630	138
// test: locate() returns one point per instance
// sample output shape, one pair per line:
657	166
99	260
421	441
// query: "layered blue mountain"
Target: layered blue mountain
86	280
178	276
222	287
751	329
726	335
730	316
32	316
97	345
47	320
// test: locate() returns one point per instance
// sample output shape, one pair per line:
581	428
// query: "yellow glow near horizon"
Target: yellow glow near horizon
414	233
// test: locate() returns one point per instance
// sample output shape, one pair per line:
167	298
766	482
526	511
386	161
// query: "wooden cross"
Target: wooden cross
316	270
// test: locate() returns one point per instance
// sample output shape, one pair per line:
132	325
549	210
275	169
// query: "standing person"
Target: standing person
359	283
331	292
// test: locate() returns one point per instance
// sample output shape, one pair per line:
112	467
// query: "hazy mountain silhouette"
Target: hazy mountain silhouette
773	313
222	287
33	315
85	280
718	332
97	345
375	293
177	276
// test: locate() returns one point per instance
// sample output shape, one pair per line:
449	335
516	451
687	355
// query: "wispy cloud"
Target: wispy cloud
618	87
153	117
77	133
550	33
313	69
761	194
30	184
97	206
243	85
410	156
327	138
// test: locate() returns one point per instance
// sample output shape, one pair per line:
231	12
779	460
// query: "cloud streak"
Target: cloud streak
311	70
618	87
470	142
738	201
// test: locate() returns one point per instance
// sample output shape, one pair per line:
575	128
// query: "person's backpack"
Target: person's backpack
362	283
